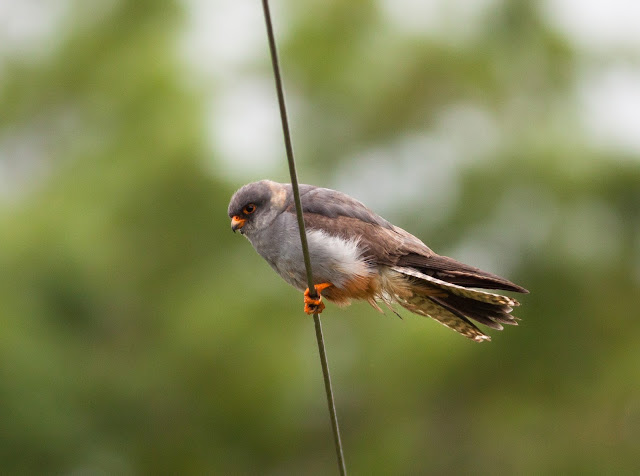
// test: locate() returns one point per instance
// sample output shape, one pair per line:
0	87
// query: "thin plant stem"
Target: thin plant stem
303	236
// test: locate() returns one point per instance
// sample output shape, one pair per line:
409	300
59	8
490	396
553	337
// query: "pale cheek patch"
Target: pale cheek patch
278	195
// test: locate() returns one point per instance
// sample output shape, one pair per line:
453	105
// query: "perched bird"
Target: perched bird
356	254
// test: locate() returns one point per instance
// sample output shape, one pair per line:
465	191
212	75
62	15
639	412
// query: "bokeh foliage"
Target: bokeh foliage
139	336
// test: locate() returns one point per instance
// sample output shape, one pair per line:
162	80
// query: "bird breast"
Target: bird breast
333	259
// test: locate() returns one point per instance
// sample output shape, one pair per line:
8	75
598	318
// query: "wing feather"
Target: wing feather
453	271
482	296
334	204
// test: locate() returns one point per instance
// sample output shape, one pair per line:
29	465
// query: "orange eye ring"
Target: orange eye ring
249	209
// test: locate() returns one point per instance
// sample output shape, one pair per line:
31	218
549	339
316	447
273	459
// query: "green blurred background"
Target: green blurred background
138	335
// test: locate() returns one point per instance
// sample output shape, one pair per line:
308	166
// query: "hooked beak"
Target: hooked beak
237	223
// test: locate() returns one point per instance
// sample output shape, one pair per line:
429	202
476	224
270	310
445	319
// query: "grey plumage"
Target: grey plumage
364	256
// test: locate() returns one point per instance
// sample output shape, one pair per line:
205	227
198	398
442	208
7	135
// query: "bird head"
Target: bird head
254	206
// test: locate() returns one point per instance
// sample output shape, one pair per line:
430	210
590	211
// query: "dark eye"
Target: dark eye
249	209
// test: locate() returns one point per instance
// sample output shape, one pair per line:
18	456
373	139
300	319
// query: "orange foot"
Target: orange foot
313	305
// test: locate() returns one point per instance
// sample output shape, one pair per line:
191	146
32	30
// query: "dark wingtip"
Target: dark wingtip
509	286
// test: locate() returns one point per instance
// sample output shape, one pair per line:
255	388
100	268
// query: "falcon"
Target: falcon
358	255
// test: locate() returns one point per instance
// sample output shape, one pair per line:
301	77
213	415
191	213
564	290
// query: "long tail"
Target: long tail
453	305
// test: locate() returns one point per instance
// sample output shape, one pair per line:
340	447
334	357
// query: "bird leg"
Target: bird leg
313	305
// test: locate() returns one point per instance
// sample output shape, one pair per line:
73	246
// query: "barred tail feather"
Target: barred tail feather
425	306
453	305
